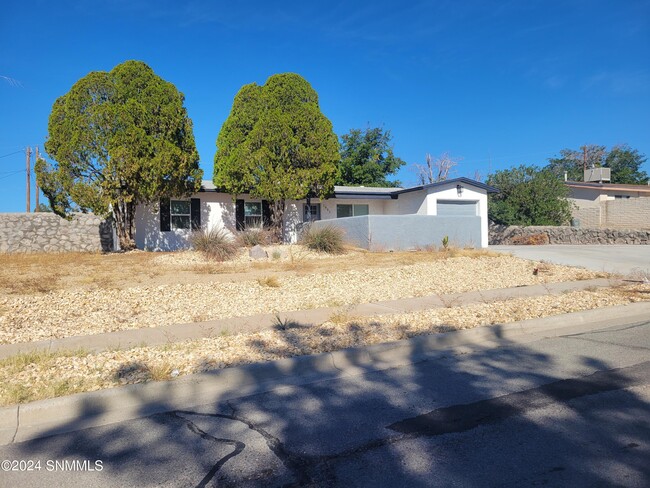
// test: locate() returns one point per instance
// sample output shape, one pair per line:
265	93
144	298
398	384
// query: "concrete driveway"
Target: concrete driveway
620	259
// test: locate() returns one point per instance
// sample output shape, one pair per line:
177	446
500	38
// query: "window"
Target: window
311	212
180	211
620	197
351	210
253	215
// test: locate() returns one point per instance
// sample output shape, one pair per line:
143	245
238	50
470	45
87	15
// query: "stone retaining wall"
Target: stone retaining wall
508	235
47	232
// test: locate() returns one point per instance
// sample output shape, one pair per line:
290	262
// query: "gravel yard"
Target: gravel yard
55	296
106	293
41	375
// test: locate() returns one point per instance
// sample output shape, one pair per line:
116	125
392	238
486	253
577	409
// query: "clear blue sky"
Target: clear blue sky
496	83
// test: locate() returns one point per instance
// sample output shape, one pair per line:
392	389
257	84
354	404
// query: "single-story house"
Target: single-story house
374	218
610	205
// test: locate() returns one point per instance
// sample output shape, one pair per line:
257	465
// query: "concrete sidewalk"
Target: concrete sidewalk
153	336
76	412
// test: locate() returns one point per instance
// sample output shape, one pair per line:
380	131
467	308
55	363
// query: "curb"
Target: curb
84	410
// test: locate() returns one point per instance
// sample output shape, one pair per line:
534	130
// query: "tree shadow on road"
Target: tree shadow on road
506	416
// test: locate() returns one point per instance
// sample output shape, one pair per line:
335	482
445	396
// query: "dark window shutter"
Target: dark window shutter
239	215
195	213
165	215
266	214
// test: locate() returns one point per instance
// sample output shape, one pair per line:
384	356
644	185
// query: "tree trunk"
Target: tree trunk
277	219
124	213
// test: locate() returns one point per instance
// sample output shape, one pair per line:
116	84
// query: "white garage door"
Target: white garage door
457	208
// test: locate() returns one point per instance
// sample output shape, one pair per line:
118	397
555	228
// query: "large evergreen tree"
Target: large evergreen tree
367	158
277	145
119	138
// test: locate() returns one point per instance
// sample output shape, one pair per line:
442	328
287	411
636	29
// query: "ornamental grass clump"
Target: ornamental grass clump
326	239
254	237
215	244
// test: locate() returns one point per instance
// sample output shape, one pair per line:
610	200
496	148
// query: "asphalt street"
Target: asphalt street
567	411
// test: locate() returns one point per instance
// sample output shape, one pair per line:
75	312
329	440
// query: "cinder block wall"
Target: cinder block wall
47	232
626	213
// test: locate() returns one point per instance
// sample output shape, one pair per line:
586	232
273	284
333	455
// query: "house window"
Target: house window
181	214
311	212
253	215
345	210
620	197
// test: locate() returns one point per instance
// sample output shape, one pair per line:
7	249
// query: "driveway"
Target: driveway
619	259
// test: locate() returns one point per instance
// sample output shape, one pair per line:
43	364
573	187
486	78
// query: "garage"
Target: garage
457	208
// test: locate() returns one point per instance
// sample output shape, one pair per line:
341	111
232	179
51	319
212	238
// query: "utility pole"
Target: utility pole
36	156
28	152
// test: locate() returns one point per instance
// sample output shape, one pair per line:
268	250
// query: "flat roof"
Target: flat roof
608	186
379	192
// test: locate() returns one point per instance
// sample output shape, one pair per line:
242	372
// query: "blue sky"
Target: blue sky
496	83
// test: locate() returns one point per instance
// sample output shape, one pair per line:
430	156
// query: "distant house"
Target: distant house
374	218
610	205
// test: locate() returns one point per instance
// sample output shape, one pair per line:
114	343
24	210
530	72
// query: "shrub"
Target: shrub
445	242
254	237
326	239
215	244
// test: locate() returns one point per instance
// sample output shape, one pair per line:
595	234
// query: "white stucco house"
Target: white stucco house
375	218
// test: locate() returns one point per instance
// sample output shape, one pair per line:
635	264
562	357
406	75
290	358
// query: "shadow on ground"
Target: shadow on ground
491	417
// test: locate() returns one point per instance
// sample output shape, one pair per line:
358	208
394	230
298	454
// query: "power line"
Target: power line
11	173
11	154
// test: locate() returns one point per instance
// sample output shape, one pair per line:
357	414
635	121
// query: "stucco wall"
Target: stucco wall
403	232
47	232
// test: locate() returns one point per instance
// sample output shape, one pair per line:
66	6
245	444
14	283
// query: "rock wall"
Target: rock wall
501	234
47	232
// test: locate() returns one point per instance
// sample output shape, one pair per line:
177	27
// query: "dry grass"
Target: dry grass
270	281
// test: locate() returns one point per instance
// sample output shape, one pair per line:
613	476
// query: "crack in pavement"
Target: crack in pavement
318	470
294	463
239	447
609	343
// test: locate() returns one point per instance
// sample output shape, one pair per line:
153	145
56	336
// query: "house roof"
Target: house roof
372	192
453	181
604	187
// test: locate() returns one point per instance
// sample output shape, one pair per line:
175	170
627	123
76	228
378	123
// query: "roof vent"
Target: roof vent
598	175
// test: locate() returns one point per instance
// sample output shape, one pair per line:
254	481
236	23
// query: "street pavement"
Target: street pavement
618	259
563	411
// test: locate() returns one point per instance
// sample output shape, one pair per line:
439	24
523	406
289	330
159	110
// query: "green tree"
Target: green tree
625	164
277	145
528	196
367	158
119	139
573	162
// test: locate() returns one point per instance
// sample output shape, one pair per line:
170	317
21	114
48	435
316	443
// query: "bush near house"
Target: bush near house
215	244
327	239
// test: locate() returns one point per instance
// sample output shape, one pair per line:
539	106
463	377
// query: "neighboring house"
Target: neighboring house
374	218
610	205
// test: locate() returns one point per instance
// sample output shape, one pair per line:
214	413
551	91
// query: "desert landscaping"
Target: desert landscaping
56	296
